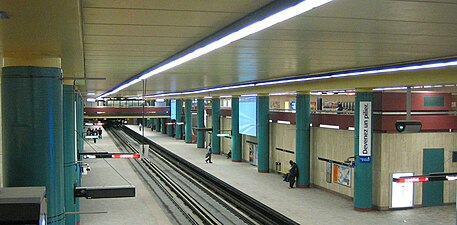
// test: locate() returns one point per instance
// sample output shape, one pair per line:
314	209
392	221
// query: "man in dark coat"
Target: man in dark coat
293	172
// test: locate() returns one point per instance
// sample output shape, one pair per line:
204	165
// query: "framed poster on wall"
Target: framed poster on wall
328	172
342	174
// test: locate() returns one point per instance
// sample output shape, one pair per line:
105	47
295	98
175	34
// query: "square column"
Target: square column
69	143
236	137
188	122
303	118
216	124
263	132
200	123
33	146
363	119
179	119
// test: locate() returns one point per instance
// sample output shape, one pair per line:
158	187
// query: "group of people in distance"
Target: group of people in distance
94	132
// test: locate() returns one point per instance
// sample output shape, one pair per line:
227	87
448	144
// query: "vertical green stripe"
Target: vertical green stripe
33	133
303	117
236	137
263	133
216	124
69	151
200	123
179	119
363	186
188	122
80	139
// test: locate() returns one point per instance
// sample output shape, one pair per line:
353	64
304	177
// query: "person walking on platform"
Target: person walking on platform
93	133
293	172
100	132
139	126
208	154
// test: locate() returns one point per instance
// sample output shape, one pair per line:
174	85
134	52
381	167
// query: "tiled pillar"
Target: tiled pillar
216	124
303	117
363	184
236	137
179	119
188	122
33	145
263	132
69	143
200	123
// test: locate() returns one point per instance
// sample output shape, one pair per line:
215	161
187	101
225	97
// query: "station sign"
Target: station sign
293	105
365	131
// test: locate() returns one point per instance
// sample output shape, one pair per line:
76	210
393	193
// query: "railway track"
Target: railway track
200	197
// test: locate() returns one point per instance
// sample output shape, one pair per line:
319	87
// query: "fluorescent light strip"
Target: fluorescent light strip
329	126
244	32
202	90
283	122
389	88
365	72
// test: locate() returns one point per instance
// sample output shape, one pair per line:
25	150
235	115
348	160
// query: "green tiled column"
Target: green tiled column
200	123
69	143
236	137
33	133
363	187
188	123
216	124
80	143
157	124
153	120
168	121
303	117
179	119
163	126
263	132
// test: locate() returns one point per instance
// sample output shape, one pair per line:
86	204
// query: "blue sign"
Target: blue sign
365	159
293	105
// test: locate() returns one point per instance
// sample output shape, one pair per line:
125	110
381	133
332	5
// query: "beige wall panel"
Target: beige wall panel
226	143
245	146
403	153
282	136
336	145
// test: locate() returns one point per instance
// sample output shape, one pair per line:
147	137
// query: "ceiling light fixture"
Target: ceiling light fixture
304	78
269	21
393	69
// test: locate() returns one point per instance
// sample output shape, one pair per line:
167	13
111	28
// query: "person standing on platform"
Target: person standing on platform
293	172
139	126
208	154
93	133
100	132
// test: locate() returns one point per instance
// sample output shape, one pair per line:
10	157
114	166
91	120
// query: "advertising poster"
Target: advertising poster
328	172
342	175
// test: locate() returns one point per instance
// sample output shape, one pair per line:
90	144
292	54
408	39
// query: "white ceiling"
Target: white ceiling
119	39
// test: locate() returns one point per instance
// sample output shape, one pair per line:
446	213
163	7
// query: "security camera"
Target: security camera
408	126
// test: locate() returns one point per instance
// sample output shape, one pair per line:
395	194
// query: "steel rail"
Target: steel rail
257	210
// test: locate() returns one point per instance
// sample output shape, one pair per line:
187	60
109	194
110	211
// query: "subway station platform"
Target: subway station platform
305	206
143	209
